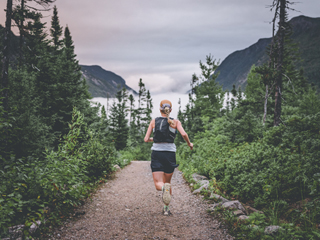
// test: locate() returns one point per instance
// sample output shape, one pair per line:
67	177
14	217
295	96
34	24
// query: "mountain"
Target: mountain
103	83
306	33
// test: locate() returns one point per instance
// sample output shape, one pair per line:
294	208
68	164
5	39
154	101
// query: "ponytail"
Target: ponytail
165	107
167	112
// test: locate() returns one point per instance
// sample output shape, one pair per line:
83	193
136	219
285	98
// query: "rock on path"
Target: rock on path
129	207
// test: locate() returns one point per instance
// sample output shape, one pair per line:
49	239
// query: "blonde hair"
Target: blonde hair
165	108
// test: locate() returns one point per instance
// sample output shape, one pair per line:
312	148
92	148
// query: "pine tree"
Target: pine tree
141	103
180	117
56	30
131	99
133	138
43	64
103	113
148	111
73	90
31	133
255	93
208	99
118	122
39	64
234	95
209	95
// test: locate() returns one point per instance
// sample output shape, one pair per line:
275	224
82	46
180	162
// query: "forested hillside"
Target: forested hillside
103	83
305	33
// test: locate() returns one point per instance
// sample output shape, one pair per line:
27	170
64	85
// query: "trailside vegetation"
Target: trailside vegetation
55	145
254	150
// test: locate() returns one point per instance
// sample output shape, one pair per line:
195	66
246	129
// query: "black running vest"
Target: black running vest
163	133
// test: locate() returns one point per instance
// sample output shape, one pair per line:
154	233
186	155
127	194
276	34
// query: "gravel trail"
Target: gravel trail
129	207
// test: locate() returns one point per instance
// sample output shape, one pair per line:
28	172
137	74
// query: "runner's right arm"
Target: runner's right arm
147	137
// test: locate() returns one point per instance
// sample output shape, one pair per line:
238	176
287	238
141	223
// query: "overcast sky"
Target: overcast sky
163	41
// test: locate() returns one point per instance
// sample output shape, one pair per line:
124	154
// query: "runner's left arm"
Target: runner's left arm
184	134
147	137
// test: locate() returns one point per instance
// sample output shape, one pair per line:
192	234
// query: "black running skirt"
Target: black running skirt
163	161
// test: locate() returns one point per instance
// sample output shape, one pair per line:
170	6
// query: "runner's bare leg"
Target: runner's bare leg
160	178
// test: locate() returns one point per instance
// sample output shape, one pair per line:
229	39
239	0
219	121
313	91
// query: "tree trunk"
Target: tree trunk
5	59
265	105
278	85
21	32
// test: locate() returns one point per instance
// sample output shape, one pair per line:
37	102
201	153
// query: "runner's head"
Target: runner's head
166	107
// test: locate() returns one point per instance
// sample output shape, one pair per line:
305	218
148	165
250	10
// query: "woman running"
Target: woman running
163	157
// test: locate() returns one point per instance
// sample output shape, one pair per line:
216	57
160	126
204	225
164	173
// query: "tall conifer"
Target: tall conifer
56	29
118	123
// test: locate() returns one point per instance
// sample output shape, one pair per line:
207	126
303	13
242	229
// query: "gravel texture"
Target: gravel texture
129	207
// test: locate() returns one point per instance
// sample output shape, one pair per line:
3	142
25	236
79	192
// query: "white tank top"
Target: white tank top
170	147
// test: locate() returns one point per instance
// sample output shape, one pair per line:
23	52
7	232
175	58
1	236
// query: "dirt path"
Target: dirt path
129	207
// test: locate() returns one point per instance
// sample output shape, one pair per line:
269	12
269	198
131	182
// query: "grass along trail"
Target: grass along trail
129	207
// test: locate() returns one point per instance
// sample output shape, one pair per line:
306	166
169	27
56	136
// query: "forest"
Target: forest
262	148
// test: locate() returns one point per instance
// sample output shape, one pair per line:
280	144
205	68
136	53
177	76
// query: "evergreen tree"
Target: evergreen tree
255	94
103	113
141	104
118	122
56	30
73	89
234	95
209	95
208	99
180	117
40	75
43	63
148	111
133	139
31	133
102	131
131	99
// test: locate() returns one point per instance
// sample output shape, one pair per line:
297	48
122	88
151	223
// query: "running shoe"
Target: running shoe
166	210
166	197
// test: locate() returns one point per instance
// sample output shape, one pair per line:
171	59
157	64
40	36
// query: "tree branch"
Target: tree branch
290	82
36	9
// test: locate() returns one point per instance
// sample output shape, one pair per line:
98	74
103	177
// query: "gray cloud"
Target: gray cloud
163	41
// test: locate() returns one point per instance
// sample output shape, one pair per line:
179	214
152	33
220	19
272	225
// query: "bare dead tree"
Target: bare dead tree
276	6
279	63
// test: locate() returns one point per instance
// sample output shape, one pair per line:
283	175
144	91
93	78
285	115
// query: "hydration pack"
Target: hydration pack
163	133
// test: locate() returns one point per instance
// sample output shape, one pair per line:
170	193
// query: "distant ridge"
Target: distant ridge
103	83
306	33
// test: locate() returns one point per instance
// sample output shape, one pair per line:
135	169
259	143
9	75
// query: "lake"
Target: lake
156	99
